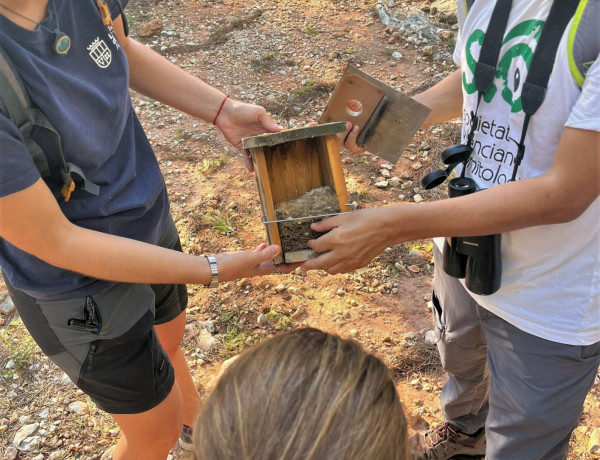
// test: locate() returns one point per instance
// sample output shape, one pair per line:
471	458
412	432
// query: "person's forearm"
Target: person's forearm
178	88
444	99
102	256
504	208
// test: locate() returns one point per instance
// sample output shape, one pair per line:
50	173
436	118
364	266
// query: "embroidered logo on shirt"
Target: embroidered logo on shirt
100	53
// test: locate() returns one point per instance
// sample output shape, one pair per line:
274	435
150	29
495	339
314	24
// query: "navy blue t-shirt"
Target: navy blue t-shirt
85	95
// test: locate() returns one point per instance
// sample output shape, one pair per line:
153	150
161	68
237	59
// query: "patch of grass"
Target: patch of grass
17	346
280	320
427	247
419	357
350	51
235	334
451	43
210	165
311	90
312	31
354	186
219	221
271	61
389	51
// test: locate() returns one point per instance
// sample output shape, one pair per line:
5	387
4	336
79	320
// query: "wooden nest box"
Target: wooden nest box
300	181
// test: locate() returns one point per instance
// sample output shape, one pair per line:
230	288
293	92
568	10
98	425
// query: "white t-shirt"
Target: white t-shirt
551	273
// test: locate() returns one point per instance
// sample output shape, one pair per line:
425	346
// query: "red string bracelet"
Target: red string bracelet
220	108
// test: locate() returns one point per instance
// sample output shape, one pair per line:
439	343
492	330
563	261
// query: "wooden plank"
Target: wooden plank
398	123
293	168
337	172
266	199
289	135
352	87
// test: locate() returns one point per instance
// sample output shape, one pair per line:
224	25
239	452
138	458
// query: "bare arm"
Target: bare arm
554	197
32	221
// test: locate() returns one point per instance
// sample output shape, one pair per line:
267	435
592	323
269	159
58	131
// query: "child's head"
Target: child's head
303	395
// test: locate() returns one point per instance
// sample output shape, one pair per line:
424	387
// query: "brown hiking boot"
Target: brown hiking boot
445	442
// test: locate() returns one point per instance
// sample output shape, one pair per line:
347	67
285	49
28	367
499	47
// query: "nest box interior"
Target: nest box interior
300	180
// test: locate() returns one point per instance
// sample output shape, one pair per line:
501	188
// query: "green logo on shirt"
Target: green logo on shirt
512	65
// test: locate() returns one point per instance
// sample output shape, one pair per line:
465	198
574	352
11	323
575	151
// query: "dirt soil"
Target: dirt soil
288	56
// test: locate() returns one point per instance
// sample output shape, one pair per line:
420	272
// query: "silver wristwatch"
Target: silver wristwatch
214	271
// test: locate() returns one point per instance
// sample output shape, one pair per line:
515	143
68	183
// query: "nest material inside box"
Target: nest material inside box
294	234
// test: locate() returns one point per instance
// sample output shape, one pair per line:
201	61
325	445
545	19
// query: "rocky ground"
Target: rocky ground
288	56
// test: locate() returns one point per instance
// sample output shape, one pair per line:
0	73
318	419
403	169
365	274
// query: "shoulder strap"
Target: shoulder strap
21	112
18	107
584	40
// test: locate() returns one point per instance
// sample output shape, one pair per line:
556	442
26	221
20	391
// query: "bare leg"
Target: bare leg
170	335
152	434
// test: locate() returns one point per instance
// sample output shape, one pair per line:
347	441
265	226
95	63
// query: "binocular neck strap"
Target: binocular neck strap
542	62
485	69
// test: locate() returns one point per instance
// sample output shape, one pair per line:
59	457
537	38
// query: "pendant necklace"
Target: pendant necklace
62	42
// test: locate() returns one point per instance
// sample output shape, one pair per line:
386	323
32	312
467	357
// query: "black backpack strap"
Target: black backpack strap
17	104
16	101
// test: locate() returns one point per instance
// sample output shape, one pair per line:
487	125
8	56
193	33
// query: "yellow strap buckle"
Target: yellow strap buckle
104	12
67	190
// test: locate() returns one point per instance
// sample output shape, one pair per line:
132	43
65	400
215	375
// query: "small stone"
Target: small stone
24	432
340	292
399	266
205	340
279	288
409	335
348	161
296	291
6	304
414	268
416	166
354	333
428	50
397	55
10	453
79	408
382	184
57	455
262	320
29	444
430	337
299	312
594	442
151	28
418	198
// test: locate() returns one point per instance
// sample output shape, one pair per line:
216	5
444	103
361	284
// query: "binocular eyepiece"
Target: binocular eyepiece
477	259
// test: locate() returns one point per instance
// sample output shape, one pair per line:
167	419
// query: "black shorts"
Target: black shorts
106	342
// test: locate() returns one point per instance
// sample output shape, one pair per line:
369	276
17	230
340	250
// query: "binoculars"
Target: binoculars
477	259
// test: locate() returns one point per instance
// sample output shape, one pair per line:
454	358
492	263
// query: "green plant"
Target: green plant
219	222
210	165
280	320
18	346
312	31
389	51
355	187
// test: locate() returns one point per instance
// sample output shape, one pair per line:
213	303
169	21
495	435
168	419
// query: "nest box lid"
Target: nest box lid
289	135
